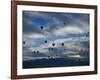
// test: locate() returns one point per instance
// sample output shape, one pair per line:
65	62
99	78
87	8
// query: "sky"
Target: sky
72	29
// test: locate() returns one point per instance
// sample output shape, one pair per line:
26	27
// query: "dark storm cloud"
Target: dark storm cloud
51	21
58	28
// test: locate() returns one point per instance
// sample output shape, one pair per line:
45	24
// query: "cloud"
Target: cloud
70	28
52	21
33	36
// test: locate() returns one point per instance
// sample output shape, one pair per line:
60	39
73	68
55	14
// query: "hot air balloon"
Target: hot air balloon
24	42
37	51
33	51
64	23
48	56
45	41
41	27
51	48
62	44
53	44
48	48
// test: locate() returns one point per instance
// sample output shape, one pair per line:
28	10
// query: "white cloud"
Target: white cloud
34	36
68	30
32	13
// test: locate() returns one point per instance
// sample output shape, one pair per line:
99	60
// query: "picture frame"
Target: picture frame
18	9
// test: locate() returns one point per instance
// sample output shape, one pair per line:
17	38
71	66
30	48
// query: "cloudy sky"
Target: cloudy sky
72	29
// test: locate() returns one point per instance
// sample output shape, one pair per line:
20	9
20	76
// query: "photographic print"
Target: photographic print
52	39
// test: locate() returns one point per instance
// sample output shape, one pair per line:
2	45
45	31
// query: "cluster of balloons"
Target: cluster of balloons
53	44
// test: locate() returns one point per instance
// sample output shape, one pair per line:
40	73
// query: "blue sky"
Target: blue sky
67	28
